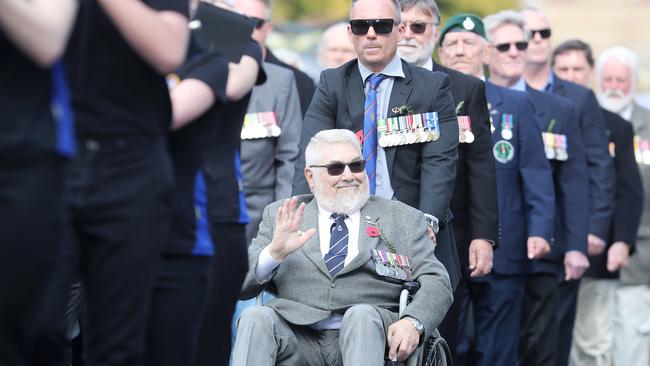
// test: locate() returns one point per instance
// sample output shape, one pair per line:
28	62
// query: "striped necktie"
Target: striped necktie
370	130
335	258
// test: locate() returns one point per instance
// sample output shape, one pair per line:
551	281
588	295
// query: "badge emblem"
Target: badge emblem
468	24
503	151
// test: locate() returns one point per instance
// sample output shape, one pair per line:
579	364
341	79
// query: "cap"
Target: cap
463	22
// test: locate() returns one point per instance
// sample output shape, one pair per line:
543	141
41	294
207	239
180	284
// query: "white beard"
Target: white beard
614	100
342	203
420	55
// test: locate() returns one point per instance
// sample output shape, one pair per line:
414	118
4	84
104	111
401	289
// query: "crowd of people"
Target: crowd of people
148	183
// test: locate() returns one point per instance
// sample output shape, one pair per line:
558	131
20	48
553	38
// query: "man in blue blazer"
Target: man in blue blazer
539	75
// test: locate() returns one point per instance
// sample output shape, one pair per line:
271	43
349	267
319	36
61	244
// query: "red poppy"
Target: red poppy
360	136
372	231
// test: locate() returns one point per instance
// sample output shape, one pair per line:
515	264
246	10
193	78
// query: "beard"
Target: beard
342	202
419	55
614	100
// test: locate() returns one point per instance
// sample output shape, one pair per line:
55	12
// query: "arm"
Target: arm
243	75
573	178
40	28
159	37
286	147
438	170
536	175
321	115
601	174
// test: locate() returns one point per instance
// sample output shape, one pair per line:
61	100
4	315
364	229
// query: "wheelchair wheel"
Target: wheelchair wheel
435	352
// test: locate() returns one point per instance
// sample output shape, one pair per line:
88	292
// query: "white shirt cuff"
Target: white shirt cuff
265	265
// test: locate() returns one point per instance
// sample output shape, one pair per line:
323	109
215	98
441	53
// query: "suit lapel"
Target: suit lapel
355	95
312	246
365	242
398	97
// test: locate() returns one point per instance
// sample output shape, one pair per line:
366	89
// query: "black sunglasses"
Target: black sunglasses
360	27
337	168
505	47
544	33
259	23
418	27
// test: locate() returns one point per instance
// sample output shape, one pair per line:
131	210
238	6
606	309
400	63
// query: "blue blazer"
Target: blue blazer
524	180
601	168
571	178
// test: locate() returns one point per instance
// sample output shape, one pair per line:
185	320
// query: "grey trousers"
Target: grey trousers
264	338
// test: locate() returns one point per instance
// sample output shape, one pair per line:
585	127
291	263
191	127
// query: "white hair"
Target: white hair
313	150
494	21
621	54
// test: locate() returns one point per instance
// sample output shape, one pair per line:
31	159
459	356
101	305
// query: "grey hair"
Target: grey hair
624	55
329	32
494	21
398	9
313	153
429	7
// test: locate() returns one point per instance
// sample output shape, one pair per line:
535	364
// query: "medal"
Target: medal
506	134
381	132
549	145
465	134
506	126
561	148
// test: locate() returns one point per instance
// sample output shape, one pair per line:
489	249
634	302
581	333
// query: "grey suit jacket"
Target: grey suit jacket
268	164
308	294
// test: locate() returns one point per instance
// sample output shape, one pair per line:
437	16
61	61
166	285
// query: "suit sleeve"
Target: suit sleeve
572	195
286	146
536	175
601	172
629	189
481	173
438	170
250	287
321	115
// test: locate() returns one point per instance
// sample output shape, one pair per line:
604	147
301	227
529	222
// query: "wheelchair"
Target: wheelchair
434	351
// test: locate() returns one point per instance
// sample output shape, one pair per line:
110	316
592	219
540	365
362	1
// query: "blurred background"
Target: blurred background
298	25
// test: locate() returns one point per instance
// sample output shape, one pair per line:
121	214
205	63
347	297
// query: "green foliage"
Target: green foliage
325	11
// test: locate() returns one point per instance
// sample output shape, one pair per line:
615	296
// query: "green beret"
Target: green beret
463	22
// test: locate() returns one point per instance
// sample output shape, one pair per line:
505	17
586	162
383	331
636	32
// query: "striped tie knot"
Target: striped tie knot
375	80
338	251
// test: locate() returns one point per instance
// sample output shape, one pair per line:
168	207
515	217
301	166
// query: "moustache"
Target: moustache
613	93
410	42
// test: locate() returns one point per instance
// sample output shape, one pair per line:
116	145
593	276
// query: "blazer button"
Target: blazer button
333	285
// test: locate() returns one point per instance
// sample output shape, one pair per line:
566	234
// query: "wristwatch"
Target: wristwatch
433	222
416	323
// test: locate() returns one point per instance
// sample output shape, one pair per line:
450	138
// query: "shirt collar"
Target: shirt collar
551	82
429	64
520	85
626	113
393	69
322	212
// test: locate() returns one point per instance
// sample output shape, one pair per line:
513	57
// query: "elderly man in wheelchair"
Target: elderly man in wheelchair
337	262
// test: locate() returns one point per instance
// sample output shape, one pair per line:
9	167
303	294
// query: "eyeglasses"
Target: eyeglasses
505	47
338	168
544	33
418	27
259	23
360	27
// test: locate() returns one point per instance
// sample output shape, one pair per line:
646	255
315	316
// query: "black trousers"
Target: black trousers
32	229
539	333
229	269
178	305
120	203
568	302
449	327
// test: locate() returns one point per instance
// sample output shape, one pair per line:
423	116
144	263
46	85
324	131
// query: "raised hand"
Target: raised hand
286	237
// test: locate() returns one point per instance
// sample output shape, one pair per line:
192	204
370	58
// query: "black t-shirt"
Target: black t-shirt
186	146
34	109
222	168
115	93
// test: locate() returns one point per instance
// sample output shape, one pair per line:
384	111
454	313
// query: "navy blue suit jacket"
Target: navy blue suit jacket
524	183
601	169
571	177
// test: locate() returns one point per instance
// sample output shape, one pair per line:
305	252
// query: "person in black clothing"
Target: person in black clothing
473	231
36	139
121	181
573	61
201	92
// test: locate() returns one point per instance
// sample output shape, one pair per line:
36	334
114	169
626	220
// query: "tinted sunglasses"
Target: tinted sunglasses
360	27
505	47
259	23
544	33
356	166
418	27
